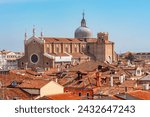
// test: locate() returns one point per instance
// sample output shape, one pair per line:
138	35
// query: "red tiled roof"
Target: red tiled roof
62	40
64	96
14	93
91	40
8	79
92	65
145	95
33	84
78	55
129	83
32	72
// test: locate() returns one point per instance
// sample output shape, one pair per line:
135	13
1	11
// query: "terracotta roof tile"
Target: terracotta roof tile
64	96
91	40
145	95
35	84
14	93
78	55
62	40
92	65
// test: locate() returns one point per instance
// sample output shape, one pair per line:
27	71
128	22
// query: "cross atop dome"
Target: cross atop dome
83	22
83	14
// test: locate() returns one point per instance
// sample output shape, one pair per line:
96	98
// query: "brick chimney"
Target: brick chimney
111	81
98	79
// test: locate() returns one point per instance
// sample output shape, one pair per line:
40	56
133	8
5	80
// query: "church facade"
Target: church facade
50	52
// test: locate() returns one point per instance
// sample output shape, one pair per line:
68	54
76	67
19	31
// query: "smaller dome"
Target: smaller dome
83	32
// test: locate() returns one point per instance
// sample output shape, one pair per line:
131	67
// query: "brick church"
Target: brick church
50	52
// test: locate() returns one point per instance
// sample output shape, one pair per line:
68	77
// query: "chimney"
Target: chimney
111	81
124	77
26	66
98	79
121	78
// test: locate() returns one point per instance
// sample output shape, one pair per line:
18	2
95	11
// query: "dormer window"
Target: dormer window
14	84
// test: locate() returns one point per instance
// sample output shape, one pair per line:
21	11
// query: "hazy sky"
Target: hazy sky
127	21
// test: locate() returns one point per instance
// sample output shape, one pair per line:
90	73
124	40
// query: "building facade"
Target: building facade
9	60
50	52
142	56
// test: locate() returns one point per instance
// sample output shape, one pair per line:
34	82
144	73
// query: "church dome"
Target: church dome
83	31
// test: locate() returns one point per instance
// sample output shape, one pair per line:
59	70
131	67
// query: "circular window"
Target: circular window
34	58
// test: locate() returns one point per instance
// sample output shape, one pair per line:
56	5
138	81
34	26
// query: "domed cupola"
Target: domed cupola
83	31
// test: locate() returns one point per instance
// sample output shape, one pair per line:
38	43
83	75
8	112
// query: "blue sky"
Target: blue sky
127	21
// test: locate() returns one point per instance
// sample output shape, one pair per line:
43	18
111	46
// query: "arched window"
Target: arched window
87	94
80	94
48	50
22	63
75	49
57	49
67	50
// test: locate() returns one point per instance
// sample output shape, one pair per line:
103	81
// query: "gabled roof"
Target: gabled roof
39	40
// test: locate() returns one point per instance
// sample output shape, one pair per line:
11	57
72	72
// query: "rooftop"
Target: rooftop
141	94
62	40
13	94
92	65
145	78
33	84
64	96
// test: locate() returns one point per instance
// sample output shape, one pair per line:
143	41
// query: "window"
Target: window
75	49
57	49
48	50
34	58
138	71
80	94
83	48
88	94
22	63
67	50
